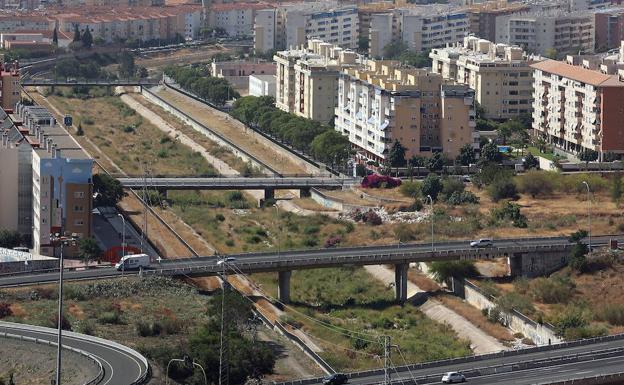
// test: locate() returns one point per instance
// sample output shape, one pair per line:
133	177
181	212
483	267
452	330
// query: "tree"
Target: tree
143	72
88	249
503	189
417	162
77	38
616	187
536	183
445	270
363	44
530	162
588	156
511	128
127	67
87	39
55	37
331	147
396	156
432	185
490	153
551	53
10	239
394	49
79	130
436	162
108	190
466	155
578	259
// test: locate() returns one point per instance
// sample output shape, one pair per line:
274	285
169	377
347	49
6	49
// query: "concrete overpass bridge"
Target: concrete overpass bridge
526	256
269	185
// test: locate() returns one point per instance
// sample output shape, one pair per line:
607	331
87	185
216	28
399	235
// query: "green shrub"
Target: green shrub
521	285
85	327
444	270
162	153
129	129
556	289
410	189
165	139
489	289
229	243
536	183
220	217
148	329
503	189
110	317
611	313
88	120
514	301
171	326
311	229
310	241
404	232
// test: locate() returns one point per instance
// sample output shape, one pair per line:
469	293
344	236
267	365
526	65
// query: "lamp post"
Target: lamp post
588	213
431	201
123	243
277	228
62	240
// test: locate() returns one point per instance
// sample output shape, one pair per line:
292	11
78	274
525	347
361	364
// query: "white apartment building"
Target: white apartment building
262	85
499	74
421	27
578	109
540	32
237	19
292	26
380	102
306	80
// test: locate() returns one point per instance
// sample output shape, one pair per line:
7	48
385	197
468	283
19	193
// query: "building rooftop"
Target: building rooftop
579	74
10	255
239	6
267	78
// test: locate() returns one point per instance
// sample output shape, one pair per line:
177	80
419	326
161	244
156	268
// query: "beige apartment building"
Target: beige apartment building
577	108
307	79
380	102
499	74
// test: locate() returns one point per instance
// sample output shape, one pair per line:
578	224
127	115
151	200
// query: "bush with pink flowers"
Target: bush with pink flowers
380	181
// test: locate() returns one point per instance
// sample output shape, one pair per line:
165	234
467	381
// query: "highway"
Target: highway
236	183
318	258
87	82
122	365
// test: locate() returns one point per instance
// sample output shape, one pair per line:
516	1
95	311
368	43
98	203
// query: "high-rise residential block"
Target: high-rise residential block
380	102
578	109
499	74
483	16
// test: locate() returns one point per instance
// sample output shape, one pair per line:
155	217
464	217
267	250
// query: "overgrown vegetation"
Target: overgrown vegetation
198	81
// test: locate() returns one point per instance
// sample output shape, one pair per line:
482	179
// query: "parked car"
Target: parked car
483	242
452	377
335	379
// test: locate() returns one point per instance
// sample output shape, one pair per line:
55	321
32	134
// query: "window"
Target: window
79	194
78	209
78	222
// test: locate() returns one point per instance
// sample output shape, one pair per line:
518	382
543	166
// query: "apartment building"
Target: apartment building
237	72
9	85
578	109
609	28
291	26
306	79
499	74
45	181
237	19
17	21
482	16
262	85
540	32
380	102
421	27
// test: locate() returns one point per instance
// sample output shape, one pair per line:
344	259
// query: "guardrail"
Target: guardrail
615	378
212	132
93	381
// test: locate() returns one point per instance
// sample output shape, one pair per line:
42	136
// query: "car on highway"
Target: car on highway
483	242
453	377
335	379
225	260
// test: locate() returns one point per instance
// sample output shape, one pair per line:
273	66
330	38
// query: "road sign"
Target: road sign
68	120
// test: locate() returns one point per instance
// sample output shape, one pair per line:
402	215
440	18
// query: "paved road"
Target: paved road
317	258
122	365
236	183
95	82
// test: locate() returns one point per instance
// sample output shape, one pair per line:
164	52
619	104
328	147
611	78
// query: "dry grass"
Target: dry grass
233	130
475	317
388	193
310	204
183	56
422	281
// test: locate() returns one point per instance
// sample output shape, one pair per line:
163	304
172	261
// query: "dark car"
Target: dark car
335	379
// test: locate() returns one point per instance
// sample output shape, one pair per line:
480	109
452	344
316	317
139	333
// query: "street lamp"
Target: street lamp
123	242
62	240
588	212
277	228
431	201
187	361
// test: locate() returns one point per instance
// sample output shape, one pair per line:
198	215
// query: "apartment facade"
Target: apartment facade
291	26
499	74
9	85
609	29
421	27
262	85
578	109
237	19
381	102
540	32
482	16
306	79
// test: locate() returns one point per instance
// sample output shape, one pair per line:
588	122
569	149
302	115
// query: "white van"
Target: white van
133	261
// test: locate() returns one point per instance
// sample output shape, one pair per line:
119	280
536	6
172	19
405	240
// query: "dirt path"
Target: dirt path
232	129
480	342
34	364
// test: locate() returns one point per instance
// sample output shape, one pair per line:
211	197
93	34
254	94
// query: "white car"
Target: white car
484	242
452	377
226	260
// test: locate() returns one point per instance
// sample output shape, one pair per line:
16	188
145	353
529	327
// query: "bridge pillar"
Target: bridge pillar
400	281
283	286
269	193
305	193
515	265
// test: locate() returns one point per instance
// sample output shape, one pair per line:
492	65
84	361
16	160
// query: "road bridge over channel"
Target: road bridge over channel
32	82
526	256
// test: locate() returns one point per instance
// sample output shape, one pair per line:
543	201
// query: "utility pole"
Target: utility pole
144	191
223	351
386	342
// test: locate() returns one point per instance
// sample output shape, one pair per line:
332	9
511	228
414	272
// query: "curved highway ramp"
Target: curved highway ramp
119	364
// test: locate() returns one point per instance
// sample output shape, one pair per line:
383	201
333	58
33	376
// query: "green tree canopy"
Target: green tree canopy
466	155
88	249
87	39
490	153
396	155
108	190
331	146
431	185
436	162
443	271
76	34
